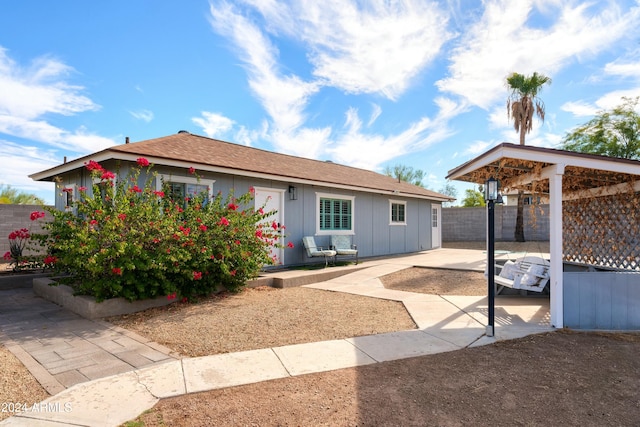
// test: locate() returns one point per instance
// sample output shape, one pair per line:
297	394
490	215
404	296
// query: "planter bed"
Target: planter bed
86	306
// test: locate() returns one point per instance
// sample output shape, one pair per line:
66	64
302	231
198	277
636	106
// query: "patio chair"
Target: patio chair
317	251
342	245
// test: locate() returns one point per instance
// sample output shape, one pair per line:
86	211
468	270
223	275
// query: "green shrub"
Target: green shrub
125	241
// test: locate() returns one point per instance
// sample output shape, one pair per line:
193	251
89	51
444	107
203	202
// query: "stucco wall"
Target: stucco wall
470	224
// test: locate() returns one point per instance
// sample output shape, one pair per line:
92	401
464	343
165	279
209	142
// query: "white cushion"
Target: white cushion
508	270
531	277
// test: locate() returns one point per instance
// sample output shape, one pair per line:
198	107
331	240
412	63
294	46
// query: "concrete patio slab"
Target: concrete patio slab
401	345
105	402
438	315
227	370
165	380
321	356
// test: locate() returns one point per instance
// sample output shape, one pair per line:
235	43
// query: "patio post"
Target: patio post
491	196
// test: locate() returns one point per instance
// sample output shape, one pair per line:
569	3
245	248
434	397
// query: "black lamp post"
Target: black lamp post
491	197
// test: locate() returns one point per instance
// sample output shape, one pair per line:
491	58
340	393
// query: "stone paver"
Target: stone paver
62	349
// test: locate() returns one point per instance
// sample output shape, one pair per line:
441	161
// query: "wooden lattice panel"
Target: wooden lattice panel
603	231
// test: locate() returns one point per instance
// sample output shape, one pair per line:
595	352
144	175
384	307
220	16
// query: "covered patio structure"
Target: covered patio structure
594	216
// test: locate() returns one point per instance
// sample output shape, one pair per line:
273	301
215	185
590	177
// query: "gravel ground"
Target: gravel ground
17	386
265	317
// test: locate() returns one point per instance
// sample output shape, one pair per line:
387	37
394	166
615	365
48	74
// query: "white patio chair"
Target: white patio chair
317	251
342	245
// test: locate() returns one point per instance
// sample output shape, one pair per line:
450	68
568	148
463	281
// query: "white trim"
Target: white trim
65	197
185	180
320	232
97	180
159	161
556	302
279	215
397	202
436	232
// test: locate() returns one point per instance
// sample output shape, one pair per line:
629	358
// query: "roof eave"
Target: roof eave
109	154
546	155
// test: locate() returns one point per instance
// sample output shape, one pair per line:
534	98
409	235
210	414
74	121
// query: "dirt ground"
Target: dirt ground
559	378
17	385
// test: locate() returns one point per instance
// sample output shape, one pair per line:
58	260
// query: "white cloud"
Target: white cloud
144	115
245	136
477	147
283	97
38	90
624	68
79	140
28	94
213	124
371	47
362	47
375	113
607	101
355	48
19	161
579	108
355	147
504	40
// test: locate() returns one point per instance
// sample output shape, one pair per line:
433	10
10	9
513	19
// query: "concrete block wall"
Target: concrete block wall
15	217
470	224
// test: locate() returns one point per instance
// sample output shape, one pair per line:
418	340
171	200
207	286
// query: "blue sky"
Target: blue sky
362	83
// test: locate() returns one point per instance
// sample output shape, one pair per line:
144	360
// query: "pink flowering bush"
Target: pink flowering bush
19	240
130	240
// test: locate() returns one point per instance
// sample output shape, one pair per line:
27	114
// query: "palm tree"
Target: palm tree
522	104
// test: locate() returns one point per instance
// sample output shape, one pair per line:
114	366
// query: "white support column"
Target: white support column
555	246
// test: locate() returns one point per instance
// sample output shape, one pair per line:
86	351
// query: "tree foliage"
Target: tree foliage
450	190
473	198
12	196
614	133
406	173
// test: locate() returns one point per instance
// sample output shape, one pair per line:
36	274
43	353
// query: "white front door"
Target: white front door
436	230
272	199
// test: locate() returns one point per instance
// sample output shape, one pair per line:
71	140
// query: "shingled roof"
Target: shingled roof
207	154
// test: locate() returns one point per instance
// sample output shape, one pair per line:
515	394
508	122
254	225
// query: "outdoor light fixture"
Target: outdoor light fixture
293	193
491	197
491	190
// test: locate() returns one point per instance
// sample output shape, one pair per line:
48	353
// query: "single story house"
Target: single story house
594	223
380	214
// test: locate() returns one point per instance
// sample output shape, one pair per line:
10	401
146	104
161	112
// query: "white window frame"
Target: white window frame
397	202
114	183
65	196
160	178
350	232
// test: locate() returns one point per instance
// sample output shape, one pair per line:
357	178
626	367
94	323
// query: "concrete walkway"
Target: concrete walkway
146	372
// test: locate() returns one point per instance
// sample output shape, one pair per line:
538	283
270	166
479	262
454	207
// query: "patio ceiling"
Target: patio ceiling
528	168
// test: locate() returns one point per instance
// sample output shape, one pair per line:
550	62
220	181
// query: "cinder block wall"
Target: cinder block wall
470	224
15	217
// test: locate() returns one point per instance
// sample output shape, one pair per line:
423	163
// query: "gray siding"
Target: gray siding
601	300
372	233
